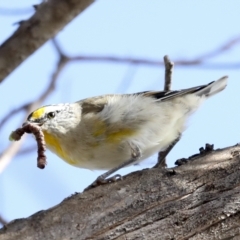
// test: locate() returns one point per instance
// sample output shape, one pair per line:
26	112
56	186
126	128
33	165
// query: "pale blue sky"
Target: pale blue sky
127	28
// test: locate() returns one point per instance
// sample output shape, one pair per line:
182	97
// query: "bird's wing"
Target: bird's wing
207	90
93	105
167	95
96	104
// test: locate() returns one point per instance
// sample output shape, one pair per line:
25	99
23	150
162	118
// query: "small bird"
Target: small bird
113	131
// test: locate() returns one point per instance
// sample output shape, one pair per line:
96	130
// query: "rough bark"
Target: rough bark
50	17
200	200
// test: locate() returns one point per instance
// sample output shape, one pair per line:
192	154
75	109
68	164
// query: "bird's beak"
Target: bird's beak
27	122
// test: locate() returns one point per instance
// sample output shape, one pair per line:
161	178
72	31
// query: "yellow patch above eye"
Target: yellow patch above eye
38	113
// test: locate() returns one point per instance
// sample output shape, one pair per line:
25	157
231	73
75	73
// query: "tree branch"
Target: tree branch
201	199
195	62
198	61
33	33
50	17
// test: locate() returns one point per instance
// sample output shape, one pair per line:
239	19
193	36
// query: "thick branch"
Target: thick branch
50	17
200	199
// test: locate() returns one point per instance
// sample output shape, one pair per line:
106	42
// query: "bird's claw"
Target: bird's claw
101	181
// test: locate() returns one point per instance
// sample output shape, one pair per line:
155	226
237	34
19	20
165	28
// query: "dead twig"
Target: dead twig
219	50
13	113
199	61
168	73
167	87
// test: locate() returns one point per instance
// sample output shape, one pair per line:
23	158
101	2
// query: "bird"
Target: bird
113	131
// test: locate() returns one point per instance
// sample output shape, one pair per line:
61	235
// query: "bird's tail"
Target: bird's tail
213	87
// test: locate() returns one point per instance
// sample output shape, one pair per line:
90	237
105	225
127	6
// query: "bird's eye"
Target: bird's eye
51	115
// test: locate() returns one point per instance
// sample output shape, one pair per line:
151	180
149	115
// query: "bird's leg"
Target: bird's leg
102	179
162	155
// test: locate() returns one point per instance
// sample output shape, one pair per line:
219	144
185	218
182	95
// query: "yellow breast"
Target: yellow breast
54	145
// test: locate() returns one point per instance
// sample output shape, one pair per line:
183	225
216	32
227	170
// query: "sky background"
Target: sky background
126	28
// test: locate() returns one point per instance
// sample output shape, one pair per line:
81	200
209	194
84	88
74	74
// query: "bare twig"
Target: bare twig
199	61
156	63
13	112
62	62
223	48
57	47
168	73
167	87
